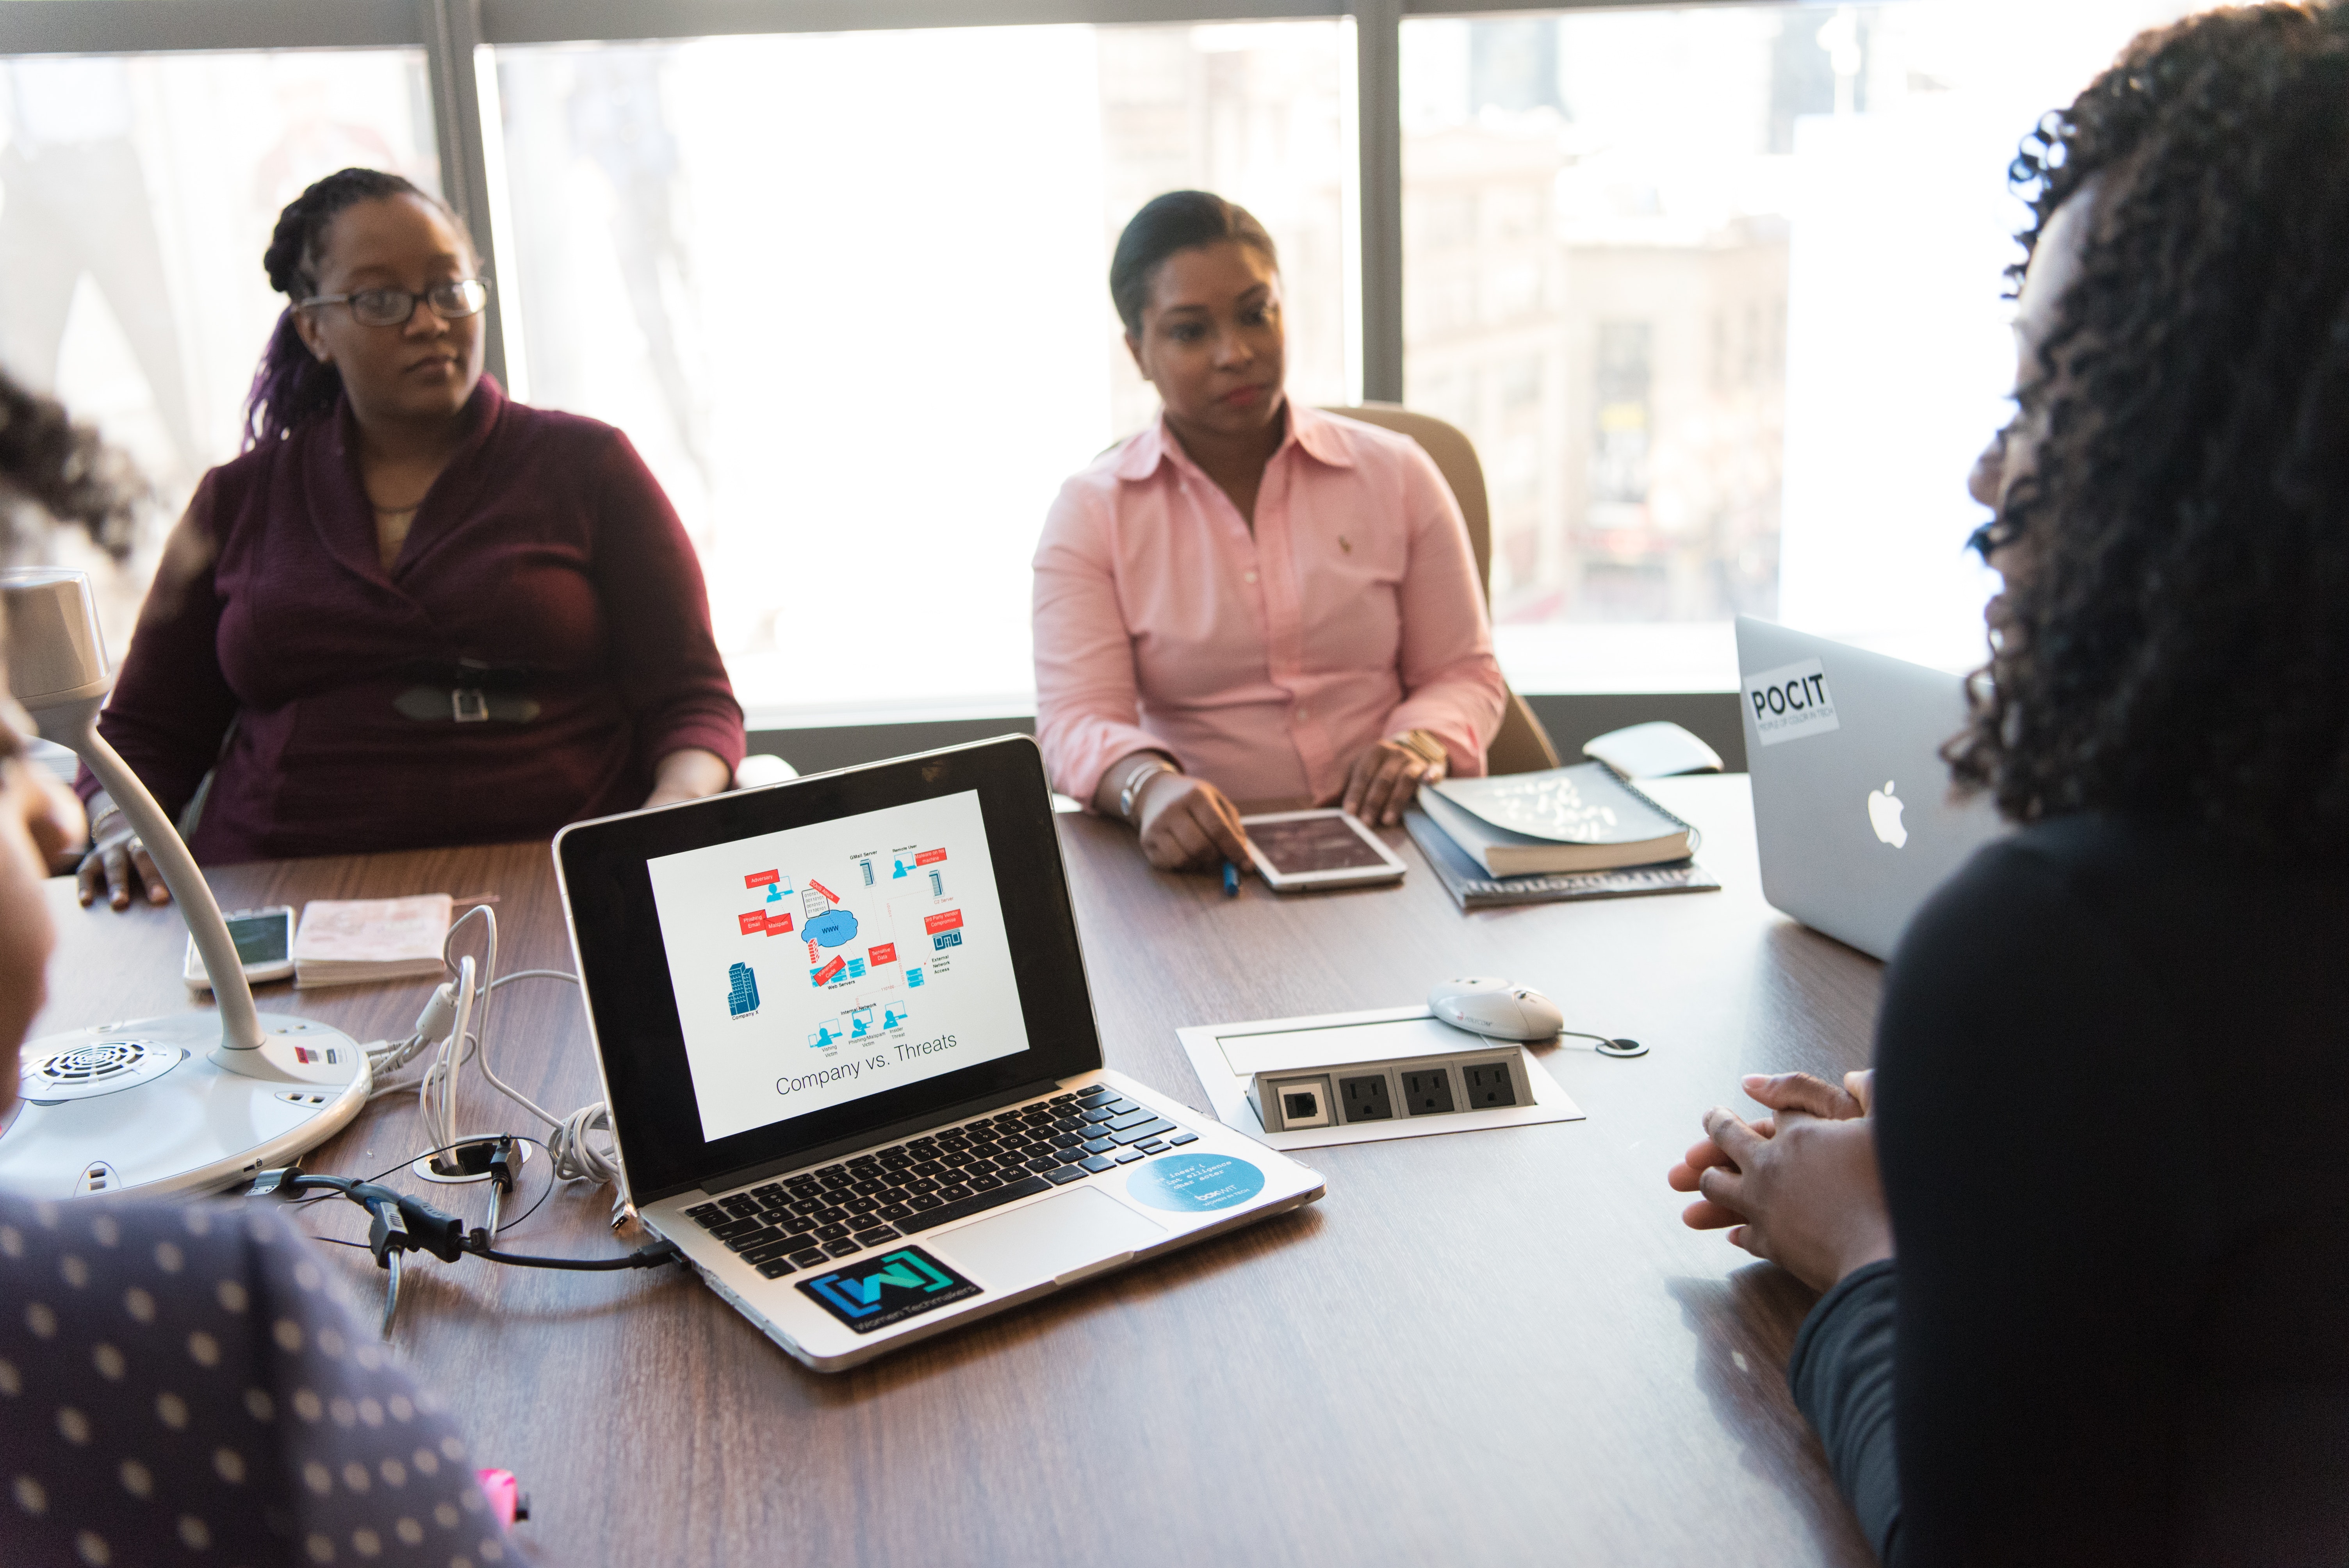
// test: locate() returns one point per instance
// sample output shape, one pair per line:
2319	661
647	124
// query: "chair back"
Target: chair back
1523	746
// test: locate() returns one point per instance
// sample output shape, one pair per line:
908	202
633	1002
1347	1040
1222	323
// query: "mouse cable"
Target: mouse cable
1606	1046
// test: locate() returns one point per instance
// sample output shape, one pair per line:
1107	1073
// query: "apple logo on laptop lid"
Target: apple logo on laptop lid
1884	815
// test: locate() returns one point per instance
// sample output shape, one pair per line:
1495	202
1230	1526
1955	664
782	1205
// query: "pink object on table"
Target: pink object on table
1263	662
507	1500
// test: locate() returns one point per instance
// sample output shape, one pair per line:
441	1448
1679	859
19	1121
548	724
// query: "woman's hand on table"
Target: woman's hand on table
687	774
1798	1187
1384	779
1187	824
117	864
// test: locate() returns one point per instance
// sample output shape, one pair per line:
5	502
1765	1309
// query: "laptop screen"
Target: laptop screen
774	975
822	964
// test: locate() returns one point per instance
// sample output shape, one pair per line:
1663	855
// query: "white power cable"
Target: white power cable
456	1020
439	1111
575	1157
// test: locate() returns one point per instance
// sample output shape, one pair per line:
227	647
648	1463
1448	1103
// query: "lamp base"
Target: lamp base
146	1107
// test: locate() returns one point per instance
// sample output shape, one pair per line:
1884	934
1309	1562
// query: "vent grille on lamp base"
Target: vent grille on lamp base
155	1105
102	1066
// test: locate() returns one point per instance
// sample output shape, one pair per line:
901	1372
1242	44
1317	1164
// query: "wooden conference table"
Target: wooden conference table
1486	1347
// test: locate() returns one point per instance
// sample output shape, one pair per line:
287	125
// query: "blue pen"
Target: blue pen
1231	880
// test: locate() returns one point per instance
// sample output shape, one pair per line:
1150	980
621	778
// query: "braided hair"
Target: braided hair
62	468
292	387
2180	646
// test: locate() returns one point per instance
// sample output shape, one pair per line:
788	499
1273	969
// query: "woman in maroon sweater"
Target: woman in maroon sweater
414	612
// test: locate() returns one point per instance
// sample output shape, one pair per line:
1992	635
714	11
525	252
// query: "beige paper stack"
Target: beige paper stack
351	942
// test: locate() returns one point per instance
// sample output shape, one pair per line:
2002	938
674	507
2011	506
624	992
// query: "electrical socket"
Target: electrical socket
1489	1084
1427	1091
1366	1098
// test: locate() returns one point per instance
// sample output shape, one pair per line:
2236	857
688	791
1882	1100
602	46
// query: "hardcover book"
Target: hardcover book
1584	817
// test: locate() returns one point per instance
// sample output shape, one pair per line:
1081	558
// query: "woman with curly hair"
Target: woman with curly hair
165	1368
2084	1273
415	612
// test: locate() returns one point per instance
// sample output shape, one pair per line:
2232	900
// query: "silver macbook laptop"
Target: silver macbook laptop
1852	804
845	1032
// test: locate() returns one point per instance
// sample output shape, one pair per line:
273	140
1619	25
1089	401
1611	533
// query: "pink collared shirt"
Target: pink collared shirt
1262	662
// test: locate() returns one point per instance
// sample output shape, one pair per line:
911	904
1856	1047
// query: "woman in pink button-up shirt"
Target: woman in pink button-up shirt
1251	601
1248	602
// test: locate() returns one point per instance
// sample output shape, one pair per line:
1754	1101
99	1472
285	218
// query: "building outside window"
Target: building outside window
1716	291
136	195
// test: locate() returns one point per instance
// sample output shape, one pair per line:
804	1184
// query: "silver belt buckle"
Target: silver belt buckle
469	705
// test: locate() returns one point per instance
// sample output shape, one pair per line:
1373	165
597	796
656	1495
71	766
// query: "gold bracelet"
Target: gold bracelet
1426	747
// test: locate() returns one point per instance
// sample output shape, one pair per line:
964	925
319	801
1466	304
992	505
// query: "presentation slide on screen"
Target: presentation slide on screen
823	963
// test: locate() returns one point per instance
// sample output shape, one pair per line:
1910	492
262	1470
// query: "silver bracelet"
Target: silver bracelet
1142	774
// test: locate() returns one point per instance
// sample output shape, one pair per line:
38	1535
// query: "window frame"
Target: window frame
453	33
457	36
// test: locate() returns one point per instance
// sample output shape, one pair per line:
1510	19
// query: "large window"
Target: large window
136	195
1717	290
1718	294
849	295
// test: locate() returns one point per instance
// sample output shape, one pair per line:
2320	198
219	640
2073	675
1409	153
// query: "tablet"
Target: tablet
1297	851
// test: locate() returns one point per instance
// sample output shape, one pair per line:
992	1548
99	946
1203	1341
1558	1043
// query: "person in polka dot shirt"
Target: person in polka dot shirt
181	1383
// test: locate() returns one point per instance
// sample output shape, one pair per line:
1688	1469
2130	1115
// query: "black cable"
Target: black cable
404	1164
424	1223
544	1194
653	1256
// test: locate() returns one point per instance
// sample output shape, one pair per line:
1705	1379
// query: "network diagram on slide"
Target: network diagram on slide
872	934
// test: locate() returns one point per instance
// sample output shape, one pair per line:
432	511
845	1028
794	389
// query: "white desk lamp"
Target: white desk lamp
181	1104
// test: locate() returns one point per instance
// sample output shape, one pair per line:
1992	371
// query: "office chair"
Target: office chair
1523	746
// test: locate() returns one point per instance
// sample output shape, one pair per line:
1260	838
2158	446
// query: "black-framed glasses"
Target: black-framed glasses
452	300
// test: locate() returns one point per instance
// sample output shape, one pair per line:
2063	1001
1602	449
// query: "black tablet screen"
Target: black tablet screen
1313	844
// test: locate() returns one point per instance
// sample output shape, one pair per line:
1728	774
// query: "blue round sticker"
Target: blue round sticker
1193	1183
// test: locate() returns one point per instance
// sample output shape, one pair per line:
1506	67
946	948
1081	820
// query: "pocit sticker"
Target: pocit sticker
1193	1183
1790	702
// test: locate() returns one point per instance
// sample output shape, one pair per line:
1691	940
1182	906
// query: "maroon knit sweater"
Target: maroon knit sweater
545	569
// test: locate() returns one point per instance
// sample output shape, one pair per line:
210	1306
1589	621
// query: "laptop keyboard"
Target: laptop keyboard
820	1216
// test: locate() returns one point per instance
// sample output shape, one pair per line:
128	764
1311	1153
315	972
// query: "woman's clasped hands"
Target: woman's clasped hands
1798	1187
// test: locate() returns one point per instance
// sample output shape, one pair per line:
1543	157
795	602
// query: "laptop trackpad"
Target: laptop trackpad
1072	1234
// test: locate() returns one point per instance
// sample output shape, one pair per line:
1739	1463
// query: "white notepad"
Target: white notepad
351	942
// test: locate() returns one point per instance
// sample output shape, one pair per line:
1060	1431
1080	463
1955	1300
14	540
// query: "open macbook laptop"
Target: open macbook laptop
1852	806
846	1039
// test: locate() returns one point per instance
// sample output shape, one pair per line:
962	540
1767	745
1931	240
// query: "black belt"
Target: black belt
464	705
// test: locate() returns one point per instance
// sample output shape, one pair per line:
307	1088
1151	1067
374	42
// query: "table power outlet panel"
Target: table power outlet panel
1483	1078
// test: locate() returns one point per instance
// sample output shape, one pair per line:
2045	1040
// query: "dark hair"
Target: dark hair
1178	221
2180	642
45	458
291	386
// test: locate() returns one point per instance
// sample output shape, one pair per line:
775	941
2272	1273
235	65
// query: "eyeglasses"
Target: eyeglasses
452	300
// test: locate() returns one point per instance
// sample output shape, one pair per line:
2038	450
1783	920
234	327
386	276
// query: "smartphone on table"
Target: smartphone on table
264	941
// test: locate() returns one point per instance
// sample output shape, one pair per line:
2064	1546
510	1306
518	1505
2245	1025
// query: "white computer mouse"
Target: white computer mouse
1495	1009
